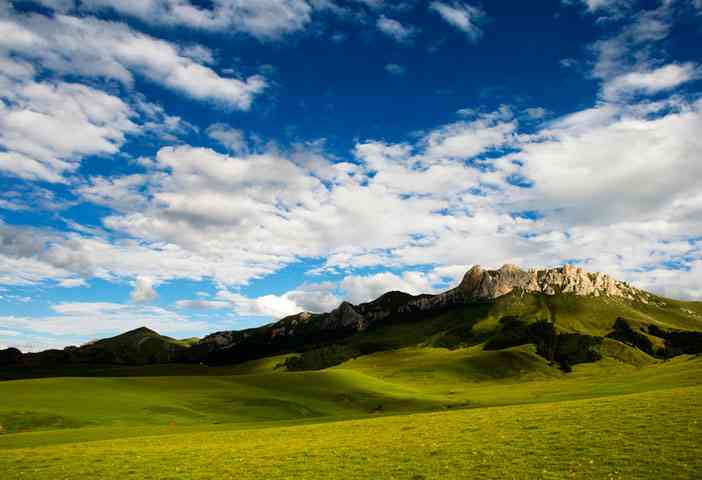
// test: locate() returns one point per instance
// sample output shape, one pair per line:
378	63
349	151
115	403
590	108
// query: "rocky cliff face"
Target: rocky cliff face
485	285
478	285
307	331
482	284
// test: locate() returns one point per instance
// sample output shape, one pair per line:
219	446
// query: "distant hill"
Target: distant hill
137	347
570	315
566	310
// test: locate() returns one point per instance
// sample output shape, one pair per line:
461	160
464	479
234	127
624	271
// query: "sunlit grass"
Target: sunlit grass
646	435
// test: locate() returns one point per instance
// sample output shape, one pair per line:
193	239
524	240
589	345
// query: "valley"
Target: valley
494	378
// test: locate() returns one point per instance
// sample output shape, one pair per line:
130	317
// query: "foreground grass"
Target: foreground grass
645	435
505	414
52	403
402	381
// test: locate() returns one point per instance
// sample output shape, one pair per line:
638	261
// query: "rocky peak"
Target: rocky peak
347	316
482	284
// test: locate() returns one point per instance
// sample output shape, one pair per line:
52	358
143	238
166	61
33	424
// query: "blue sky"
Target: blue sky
196	166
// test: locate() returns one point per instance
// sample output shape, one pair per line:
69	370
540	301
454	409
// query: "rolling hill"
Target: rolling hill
512	374
570	315
141	346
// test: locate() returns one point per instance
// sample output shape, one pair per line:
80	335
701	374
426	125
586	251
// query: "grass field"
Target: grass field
619	437
411	413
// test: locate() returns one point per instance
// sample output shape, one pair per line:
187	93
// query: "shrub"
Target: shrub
625	334
566	349
321	358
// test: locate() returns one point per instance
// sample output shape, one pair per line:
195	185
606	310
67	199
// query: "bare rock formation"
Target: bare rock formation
489	284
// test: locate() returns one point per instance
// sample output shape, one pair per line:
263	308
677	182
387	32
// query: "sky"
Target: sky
195	166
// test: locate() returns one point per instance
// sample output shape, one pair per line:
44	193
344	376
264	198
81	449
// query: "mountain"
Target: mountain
136	347
570	315
497	308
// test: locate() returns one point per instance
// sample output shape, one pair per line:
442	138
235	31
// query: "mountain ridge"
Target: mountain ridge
492	307
477	285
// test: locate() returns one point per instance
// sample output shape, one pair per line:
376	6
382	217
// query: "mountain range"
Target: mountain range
570	315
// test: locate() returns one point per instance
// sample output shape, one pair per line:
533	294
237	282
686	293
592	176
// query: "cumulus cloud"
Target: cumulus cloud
396	30
203	214
264	19
203	304
602	5
584	166
468	139
32	255
654	81
273	306
72	283
119	193
364	288
70	317
478	190
630	48
20	260
29	197
314	298
143	291
118	52
536	113
463	16
395	69
48	127
233	139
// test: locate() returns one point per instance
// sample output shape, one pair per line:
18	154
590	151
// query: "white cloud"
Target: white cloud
683	283
30	256
396	30
595	5
660	79
27	197
203	304
232	138
113	318
536	113
468	139
264	19
274	306
631	47
143	291
372	3
119	193
200	214
117	52
395	69
364	288
203	214
47	128
26	341
314	297
19	262
584	166
72	283
465	17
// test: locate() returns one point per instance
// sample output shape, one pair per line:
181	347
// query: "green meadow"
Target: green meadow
413	413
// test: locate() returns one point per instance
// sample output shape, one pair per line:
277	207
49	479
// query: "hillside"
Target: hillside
408	413
565	310
137	347
570	315
500	377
